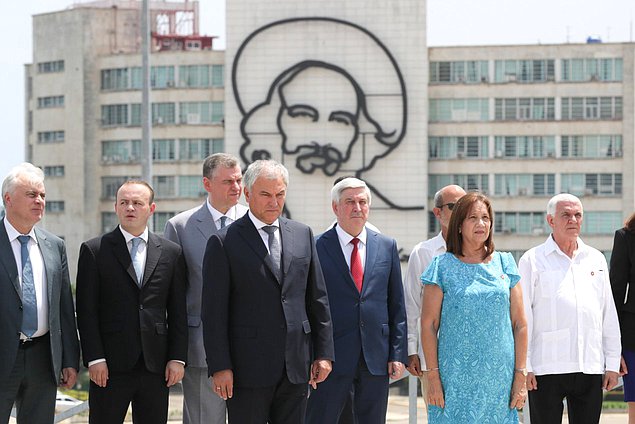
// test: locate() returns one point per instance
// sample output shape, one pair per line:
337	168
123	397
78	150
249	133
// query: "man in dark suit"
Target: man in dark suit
222	179
131	314
266	321
37	319
363	279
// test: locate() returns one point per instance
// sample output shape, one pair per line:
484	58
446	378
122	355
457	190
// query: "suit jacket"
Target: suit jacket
373	322
61	319
191	229
622	276
119	321
254	324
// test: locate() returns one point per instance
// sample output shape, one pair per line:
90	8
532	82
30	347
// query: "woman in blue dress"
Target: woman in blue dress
473	327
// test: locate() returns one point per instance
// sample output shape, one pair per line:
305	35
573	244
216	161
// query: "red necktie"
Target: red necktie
356	265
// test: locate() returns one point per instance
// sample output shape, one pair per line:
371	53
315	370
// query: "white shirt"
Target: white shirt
265	235
347	246
39	274
572	323
421	256
231	215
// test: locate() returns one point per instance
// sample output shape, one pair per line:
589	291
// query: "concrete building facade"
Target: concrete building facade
329	90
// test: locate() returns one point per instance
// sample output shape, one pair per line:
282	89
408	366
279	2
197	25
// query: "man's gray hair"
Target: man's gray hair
346	183
215	161
25	170
438	198
562	197
268	169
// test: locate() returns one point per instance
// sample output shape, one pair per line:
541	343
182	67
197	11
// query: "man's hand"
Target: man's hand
69	377
414	365
320	369
623	367
532	383
174	371
99	373
223	383
395	369
610	380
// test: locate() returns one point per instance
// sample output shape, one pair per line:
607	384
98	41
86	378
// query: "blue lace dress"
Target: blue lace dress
476	343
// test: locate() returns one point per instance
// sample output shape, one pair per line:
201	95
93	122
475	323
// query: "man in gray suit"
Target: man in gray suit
222	179
37	323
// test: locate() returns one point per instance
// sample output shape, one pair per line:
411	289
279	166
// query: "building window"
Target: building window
200	148
591	69
458	147
523	109
162	76
54	206
50	101
591	184
591	108
194	113
458	110
197	76
159	219
524	71
528	223
110	185
120	151
478	182
113	115
53	171
50	67
524	146
473	71
591	146
601	223
164	186
163	150
191	186
115	79
524	184
109	222
45	137
163	113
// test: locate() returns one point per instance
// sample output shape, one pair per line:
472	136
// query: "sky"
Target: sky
449	23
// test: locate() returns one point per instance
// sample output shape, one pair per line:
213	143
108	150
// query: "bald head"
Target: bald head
444	201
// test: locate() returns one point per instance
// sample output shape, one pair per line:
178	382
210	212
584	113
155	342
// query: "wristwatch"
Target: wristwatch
523	371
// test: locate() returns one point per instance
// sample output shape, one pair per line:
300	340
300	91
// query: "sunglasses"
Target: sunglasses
449	205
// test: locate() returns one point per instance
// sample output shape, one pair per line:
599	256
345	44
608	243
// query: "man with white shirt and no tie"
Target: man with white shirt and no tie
574	336
222	180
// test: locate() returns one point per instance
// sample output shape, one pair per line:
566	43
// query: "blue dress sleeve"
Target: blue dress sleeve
433	274
510	268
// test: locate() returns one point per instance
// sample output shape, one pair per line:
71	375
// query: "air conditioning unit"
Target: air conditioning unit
537	231
459	155
484	80
522	191
498	154
159	120
551	154
588	192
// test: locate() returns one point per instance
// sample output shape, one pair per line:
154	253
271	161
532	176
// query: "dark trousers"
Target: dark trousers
30	385
282	403
370	398
147	392
582	391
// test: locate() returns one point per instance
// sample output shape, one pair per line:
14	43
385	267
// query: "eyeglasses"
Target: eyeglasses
449	205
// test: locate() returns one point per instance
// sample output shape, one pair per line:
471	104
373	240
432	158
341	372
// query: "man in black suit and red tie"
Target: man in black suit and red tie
131	314
266	320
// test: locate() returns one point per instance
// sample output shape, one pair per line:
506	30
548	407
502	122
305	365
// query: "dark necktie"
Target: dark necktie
137	263
274	247
356	265
29	300
223	221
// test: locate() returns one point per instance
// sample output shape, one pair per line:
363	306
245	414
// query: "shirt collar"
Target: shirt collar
551	246
128	236
346	238
216	214
438	243
259	224
13	234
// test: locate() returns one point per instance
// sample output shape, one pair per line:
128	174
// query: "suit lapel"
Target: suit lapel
250	234
7	259
120	250
334	250
153	254
371	257
205	222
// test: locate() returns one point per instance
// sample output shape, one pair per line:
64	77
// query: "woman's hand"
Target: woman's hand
519	391
435	389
